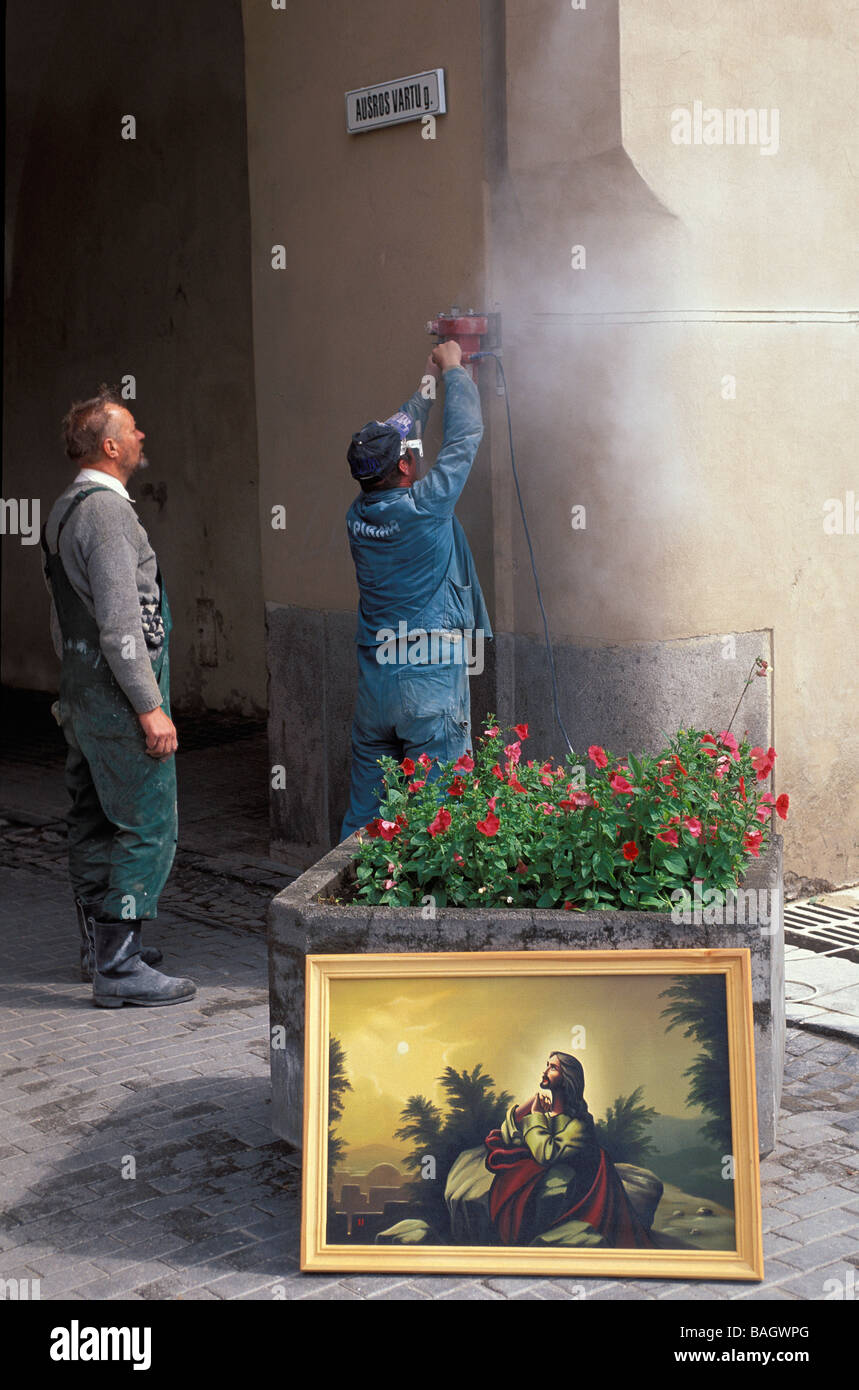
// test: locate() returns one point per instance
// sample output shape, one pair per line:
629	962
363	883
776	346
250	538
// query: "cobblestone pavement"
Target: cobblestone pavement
138	1161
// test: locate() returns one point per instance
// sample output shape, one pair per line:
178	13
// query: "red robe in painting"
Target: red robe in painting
605	1205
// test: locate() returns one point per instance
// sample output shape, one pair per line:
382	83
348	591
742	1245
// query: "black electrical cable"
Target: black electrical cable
500	370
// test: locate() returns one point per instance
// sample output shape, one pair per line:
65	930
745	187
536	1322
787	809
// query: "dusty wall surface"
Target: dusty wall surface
689	385
677	326
132	257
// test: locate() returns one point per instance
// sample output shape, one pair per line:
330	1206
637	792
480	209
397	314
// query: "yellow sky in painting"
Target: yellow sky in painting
400	1034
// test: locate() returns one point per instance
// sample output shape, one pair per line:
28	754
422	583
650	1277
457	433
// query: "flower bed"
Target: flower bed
498	829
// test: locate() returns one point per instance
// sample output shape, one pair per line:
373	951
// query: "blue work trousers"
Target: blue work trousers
401	712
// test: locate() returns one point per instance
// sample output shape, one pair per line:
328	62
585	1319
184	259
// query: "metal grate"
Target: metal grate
819	928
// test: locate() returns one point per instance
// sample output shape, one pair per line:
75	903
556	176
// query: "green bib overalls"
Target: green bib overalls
122	824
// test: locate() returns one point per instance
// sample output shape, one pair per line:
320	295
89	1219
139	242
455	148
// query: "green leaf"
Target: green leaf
675	864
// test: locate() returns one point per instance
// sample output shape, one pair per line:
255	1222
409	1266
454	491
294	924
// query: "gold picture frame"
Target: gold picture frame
369	999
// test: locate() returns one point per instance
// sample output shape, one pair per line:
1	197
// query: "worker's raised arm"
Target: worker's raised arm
463	430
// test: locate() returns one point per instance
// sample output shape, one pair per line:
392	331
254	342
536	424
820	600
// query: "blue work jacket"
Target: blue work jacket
412	560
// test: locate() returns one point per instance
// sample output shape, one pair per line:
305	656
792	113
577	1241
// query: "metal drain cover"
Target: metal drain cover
820	928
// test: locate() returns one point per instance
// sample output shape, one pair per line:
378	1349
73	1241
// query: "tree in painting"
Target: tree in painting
622	1130
473	1109
699	1007
338	1085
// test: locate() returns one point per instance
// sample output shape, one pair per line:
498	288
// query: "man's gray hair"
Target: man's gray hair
87	423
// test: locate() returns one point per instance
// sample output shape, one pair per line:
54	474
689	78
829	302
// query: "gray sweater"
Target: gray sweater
112	568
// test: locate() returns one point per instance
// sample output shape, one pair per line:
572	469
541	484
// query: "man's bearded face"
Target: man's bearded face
551	1079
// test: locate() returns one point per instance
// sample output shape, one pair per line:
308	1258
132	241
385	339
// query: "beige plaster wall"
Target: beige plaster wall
382	230
704	514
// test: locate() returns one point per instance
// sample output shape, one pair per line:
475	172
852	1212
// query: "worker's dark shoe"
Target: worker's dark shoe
149	954
122	977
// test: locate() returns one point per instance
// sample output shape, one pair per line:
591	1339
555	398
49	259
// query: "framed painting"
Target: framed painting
587	1112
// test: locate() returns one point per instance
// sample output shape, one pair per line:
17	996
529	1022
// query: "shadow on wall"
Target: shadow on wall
119	270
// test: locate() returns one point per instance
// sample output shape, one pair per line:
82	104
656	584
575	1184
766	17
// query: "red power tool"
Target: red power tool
469	330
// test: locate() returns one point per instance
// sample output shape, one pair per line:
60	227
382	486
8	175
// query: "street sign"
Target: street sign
390	103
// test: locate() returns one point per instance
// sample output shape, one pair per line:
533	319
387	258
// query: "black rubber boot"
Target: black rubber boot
122	977
150	955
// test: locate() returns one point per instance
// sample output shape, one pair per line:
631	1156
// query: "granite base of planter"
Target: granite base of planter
299	924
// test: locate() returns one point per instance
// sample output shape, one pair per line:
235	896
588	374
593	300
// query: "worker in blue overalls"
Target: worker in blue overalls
421	603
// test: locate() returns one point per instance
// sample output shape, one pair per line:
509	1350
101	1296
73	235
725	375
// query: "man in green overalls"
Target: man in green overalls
111	624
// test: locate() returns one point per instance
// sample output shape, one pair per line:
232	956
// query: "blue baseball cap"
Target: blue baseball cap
376	449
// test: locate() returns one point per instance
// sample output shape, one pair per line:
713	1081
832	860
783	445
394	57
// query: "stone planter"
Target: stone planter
300	925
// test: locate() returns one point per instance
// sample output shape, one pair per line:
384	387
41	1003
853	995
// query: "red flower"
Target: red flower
408	767
490	826
513	781
457	857
619	784
425	762
711	752
520	730
680	766
598	755
416	785
669	837
743	788
496	772
374	828
388	829
440	824
707	738
547	779
630	850
728	741
752	842
763	762
571	906
514	752
457	787
491	802
782	804
493	732
464	764
520	867
693	825
577	801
